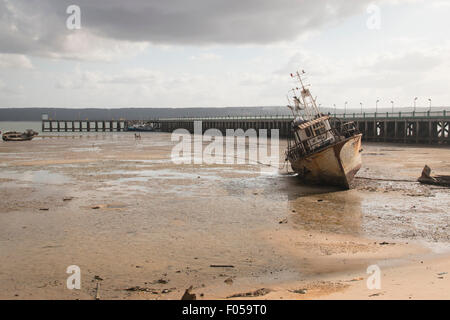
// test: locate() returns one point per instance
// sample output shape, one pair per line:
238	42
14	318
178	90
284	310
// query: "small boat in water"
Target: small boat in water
321	153
19	136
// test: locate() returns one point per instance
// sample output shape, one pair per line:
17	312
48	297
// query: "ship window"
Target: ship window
319	129
308	132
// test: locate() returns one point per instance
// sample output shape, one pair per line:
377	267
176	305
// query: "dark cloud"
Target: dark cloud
38	26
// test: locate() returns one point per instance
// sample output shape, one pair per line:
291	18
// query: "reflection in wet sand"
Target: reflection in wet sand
336	212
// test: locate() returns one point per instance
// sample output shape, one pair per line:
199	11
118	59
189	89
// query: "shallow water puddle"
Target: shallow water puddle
143	175
39	176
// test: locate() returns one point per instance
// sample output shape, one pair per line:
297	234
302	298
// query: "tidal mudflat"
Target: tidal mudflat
144	227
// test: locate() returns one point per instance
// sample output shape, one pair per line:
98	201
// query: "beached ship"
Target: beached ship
319	151
19	136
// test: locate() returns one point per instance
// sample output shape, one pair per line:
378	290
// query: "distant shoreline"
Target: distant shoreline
35	114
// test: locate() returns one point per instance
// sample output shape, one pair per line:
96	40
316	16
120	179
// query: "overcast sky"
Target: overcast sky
211	53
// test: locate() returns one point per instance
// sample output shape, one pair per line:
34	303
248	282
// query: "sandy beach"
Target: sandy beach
141	227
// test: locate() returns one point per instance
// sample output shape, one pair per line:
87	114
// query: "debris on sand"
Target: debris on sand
160	281
108	206
136	288
67	198
299	291
188	295
97	291
142	289
221	266
385	243
228	281
43	209
426	178
356	279
256	293
376	294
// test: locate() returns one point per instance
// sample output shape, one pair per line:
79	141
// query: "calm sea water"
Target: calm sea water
20	126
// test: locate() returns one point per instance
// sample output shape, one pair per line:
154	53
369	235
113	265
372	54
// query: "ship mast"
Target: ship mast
303	99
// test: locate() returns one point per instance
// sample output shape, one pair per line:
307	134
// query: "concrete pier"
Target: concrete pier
411	127
425	127
84	125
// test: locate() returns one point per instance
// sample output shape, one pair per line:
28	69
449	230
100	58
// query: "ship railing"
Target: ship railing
309	146
346	129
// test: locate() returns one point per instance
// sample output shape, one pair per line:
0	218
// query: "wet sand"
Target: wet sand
131	219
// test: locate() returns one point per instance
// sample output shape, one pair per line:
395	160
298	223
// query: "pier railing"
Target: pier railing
352	115
394	115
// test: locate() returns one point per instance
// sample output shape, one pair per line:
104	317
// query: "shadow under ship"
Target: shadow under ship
321	153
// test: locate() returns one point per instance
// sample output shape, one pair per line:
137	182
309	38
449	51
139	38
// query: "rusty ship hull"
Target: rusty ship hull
334	165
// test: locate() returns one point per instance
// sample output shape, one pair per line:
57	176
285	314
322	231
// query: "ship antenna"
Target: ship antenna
289	106
308	101
300	79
